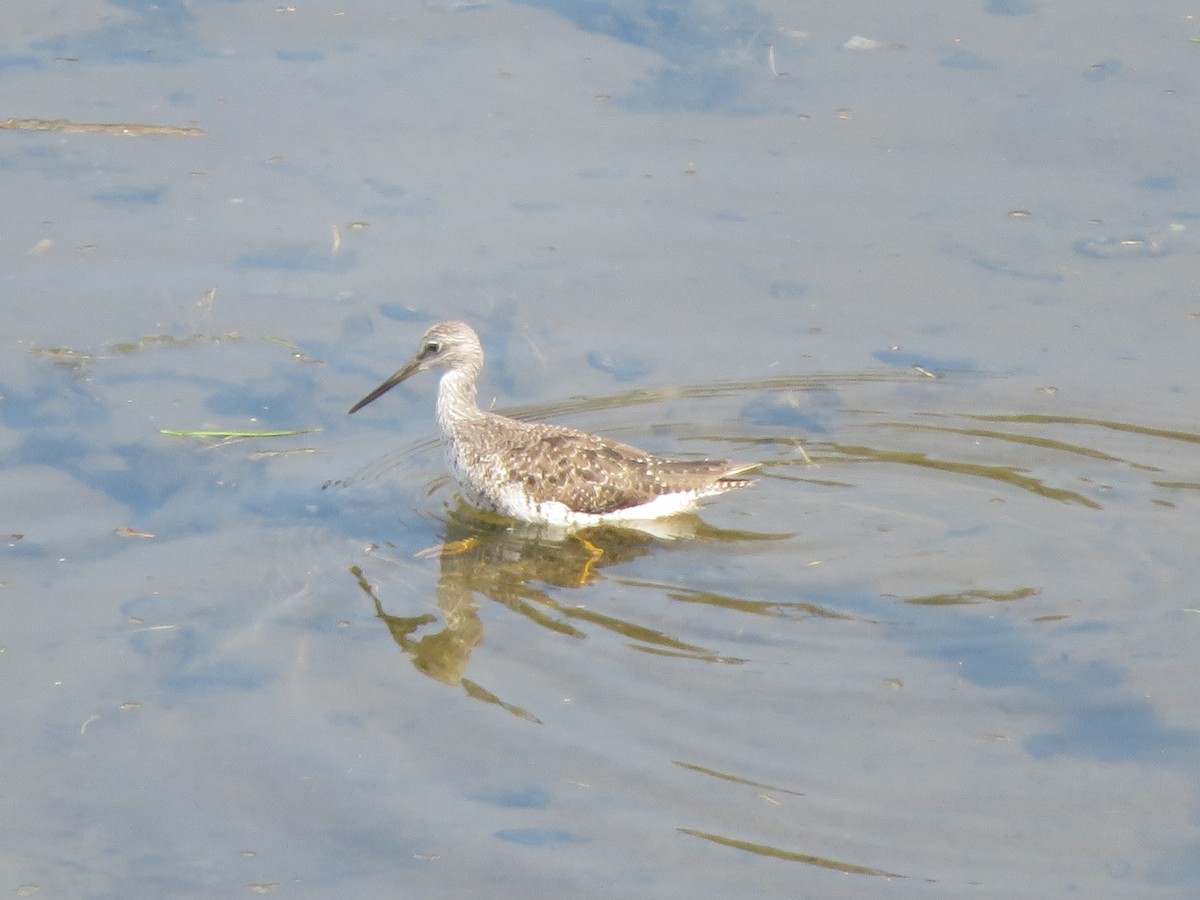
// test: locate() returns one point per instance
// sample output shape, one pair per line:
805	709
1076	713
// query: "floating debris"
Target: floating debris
235	435
1113	248
297	353
126	532
858	42
123	128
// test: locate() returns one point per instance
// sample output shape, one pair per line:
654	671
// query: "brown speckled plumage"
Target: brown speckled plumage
546	473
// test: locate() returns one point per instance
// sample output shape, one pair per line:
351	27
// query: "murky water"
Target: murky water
938	285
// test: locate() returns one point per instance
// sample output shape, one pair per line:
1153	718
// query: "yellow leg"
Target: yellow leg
594	554
450	548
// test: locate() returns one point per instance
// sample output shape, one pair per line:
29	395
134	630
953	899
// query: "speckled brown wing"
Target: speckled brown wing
594	475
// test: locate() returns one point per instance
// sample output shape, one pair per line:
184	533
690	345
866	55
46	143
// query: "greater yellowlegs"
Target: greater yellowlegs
547	474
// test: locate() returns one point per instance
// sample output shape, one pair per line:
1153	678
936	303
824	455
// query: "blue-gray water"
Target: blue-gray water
952	653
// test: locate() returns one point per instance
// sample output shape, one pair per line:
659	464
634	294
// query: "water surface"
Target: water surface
936	281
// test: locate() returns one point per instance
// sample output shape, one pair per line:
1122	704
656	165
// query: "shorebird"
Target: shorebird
547	474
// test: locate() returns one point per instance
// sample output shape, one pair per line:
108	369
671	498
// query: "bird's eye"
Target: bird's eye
432	348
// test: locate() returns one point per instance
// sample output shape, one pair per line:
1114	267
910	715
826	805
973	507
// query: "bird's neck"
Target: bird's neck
456	400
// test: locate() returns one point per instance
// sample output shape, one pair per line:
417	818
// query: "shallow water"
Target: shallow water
940	289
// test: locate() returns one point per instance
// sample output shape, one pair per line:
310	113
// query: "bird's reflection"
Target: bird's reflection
519	566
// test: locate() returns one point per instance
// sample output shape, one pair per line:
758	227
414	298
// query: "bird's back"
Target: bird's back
502	462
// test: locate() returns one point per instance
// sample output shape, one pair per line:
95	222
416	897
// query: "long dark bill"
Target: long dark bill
409	369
